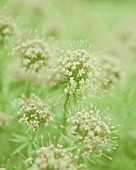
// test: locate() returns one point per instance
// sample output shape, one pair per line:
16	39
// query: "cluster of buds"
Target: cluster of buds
89	128
33	52
33	112
54	158
6	29
3	120
77	72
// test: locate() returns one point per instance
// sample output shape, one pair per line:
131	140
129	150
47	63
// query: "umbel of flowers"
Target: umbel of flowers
90	129
76	72
33	52
54	158
33	112
6	29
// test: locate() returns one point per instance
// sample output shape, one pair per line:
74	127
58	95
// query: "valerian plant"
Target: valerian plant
85	132
60	85
76	74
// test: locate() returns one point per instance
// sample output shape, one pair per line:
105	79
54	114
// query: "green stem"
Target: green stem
64	115
30	144
27	82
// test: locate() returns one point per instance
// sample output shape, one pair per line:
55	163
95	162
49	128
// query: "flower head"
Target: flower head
33	112
33	52
6	29
76	71
89	128
54	158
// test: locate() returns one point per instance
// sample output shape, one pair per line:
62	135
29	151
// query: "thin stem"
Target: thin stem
31	135
64	115
27	82
30	144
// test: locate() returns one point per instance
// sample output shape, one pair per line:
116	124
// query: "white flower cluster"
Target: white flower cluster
33	52
91	129
3	120
6	29
77	72
33	112
54	158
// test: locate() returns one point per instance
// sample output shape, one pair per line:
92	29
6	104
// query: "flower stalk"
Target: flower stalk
65	114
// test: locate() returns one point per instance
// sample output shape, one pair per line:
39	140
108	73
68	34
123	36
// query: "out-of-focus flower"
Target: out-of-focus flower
76	72
132	45
3	120
6	29
54	29
111	71
93	131
54	158
33	112
33	52
126	30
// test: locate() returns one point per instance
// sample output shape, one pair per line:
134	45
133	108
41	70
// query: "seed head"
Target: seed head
33	112
76	71
33	52
54	158
89	128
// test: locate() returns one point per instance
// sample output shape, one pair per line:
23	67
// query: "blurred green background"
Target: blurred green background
110	26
